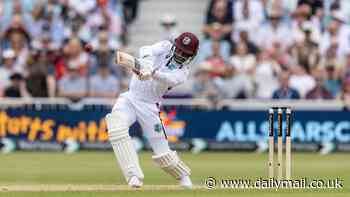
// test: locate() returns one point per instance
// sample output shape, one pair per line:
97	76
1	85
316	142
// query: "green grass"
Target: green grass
99	168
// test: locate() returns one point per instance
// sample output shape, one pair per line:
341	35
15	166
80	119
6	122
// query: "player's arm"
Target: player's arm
145	63
150	52
171	79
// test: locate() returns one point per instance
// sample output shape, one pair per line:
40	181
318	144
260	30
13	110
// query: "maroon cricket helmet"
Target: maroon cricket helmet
186	47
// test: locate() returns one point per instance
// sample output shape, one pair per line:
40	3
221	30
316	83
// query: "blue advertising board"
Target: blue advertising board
32	129
307	126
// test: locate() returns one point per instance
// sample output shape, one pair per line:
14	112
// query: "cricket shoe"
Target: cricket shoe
185	182
135	182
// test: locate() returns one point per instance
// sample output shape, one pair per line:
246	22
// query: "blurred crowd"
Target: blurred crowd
42	47
280	49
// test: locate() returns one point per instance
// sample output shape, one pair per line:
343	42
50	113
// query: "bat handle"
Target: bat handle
137	72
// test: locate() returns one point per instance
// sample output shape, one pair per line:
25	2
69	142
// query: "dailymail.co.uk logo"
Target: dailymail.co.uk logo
174	128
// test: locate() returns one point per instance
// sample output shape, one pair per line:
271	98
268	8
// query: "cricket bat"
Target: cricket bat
122	59
127	61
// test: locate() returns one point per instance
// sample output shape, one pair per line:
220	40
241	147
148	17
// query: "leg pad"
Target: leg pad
171	163
124	150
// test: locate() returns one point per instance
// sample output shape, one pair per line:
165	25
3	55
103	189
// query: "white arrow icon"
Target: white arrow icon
326	148
198	145
8	145
72	146
262	146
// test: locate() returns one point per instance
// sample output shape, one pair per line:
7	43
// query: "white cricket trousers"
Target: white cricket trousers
147	115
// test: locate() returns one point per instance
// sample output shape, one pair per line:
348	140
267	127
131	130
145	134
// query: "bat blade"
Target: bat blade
125	60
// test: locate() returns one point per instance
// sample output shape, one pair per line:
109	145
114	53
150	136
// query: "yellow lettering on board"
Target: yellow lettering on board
92	131
34	129
102	131
3	120
13	125
63	133
80	131
25	124
47	129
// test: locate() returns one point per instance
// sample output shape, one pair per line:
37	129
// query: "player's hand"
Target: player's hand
145	76
145	70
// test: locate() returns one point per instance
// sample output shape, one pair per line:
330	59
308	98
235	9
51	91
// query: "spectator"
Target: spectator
130	10
275	31
16	25
83	7
302	23
104	84
245	38
301	80
237	80
330	58
248	15
252	9
285	91
16	14
206	48
72	85
318	20
229	4
104	47
332	80
305	52
242	61
288	6
265	75
169	27
220	15
244	65
335	34
7	69
341	5
78	28
345	93
38	19
319	91
232	85
105	16
1	12
216	61
46	20
104	41
203	86
345	72
18	43
17	6
17	87
280	55
75	55
40	80
313	4
45	43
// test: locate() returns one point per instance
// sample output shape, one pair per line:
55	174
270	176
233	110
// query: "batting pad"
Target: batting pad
123	147
171	163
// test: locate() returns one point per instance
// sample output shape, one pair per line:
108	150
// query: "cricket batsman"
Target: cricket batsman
159	68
